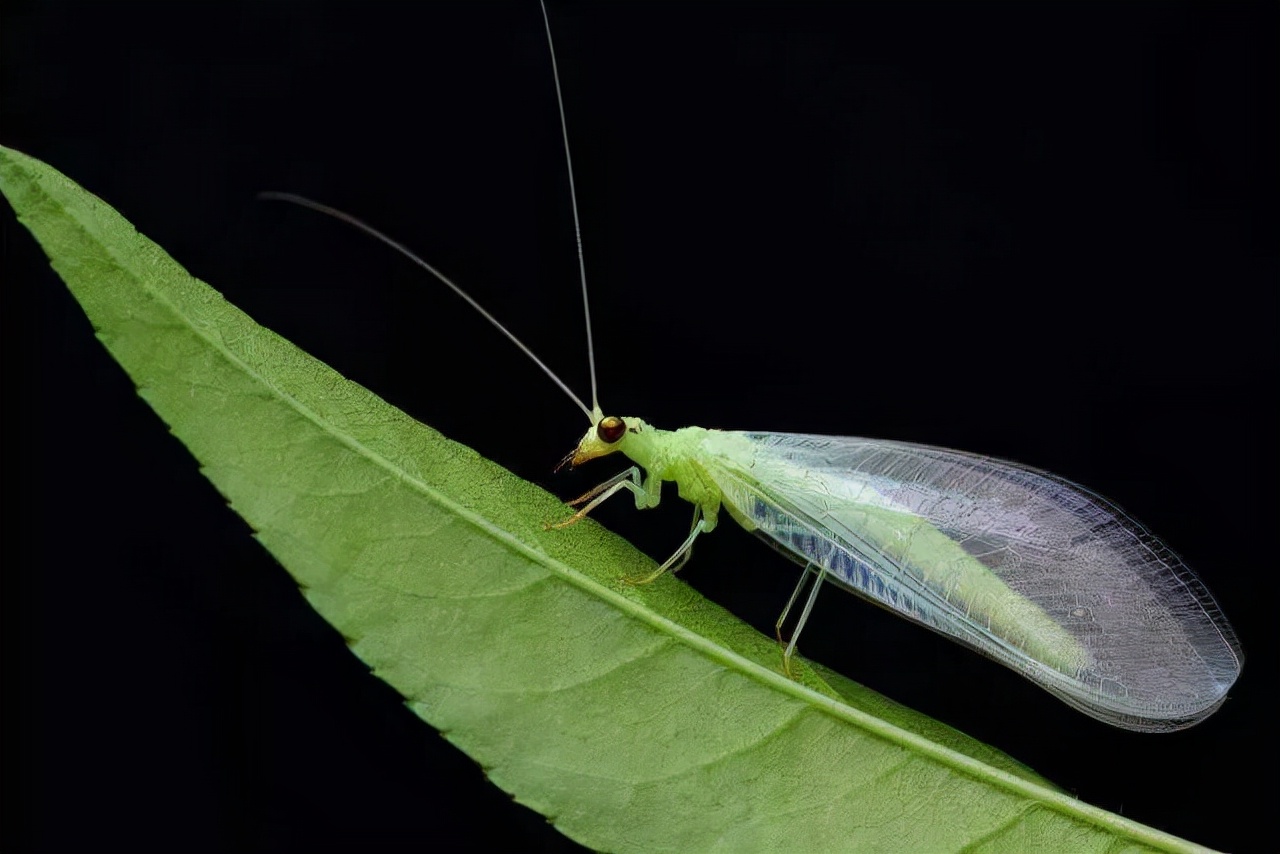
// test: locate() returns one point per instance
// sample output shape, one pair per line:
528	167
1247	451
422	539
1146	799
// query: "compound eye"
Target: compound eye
611	429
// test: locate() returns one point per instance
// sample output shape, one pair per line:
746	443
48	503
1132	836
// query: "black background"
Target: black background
1045	232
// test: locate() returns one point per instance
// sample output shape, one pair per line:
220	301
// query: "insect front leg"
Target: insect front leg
647	491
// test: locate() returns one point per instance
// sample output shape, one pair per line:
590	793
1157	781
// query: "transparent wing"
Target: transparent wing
1027	568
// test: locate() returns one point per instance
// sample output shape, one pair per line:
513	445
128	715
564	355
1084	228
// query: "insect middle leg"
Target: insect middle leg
682	554
647	494
789	647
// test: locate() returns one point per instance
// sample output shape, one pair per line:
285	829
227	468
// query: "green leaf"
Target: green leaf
636	718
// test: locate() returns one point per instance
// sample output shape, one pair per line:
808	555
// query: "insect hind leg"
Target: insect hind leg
789	647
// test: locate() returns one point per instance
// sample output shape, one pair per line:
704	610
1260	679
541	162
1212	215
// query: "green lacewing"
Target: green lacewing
1025	567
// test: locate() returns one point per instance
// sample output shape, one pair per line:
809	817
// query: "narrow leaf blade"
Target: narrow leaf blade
636	719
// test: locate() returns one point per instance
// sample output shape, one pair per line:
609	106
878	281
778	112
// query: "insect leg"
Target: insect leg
804	614
795	594
686	551
677	560
631	480
632	474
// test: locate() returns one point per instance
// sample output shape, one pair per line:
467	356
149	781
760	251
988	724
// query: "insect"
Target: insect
1023	566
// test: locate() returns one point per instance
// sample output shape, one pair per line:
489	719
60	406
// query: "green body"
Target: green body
977	602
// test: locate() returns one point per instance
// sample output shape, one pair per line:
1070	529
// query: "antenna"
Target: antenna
404	250
577	224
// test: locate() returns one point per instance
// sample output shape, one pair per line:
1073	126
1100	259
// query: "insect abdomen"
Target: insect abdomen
908	565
